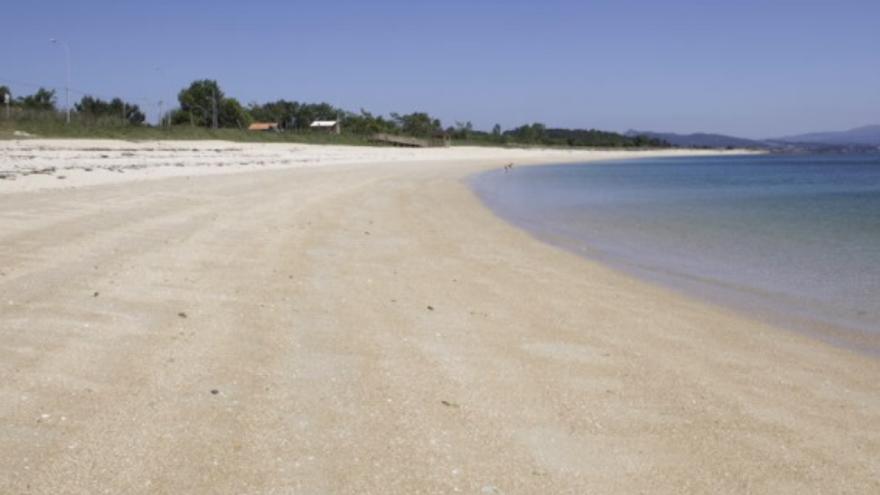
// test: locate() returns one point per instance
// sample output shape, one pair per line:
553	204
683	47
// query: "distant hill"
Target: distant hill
859	140
701	140
868	135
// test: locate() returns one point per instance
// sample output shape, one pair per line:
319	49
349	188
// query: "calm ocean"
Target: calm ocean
794	239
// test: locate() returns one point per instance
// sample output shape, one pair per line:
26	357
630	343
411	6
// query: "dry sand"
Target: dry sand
367	326
38	164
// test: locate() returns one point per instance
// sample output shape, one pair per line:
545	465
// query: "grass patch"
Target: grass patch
76	130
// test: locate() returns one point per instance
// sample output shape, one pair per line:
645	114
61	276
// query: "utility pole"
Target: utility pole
161	120
7	99
213	109
67	87
123	113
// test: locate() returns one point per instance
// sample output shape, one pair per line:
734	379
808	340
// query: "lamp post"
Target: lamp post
161	71
67	87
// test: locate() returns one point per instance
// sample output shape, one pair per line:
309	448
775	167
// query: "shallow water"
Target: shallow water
790	238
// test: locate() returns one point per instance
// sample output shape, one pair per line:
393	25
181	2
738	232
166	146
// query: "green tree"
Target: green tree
281	112
531	134
232	114
292	114
96	108
43	99
310	112
4	90
197	103
365	123
133	113
418	124
462	130
538	134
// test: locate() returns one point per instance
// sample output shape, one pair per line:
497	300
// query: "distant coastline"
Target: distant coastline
864	139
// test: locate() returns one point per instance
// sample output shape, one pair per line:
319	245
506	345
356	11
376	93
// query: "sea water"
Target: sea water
791	238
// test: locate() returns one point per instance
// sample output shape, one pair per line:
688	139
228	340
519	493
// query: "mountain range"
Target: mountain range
857	139
868	135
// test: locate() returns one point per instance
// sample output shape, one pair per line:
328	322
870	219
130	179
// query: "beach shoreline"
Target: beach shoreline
503	195
357	321
41	164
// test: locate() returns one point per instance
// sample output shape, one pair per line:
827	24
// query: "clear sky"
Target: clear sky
754	68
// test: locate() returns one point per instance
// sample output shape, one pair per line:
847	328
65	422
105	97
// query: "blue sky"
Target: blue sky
749	68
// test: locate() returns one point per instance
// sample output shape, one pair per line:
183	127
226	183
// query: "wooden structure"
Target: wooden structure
411	142
263	126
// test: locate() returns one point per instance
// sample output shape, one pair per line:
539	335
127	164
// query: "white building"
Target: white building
326	125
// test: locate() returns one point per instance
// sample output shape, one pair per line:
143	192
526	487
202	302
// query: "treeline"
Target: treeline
538	134
97	108
204	104
42	104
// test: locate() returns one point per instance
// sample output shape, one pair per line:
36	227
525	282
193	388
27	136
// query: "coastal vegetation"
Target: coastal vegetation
98	109
204	111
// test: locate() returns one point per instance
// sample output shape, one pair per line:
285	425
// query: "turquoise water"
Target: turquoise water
794	239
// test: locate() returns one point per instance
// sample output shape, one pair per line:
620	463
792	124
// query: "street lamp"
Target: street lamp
161	119
67	87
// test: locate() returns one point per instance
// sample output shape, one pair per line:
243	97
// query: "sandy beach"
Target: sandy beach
208	317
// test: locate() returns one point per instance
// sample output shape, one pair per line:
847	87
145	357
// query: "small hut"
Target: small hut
329	126
263	126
